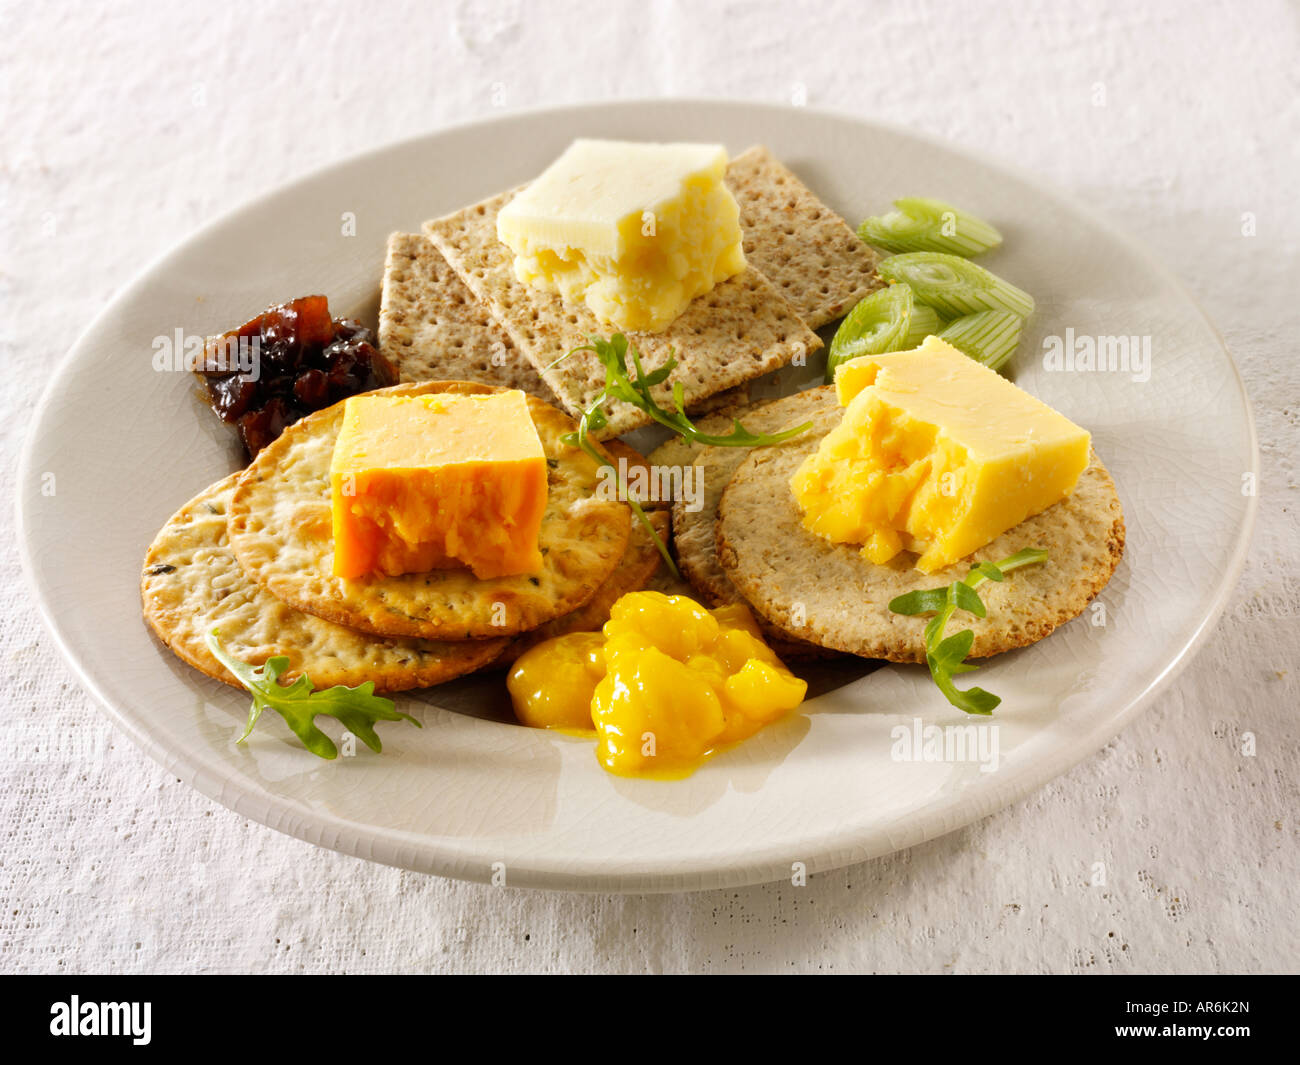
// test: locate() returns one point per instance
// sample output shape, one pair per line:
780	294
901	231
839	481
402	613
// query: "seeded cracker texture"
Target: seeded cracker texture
740	330
694	532
280	530
617	450
639	563
192	584
432	328
803	247
830	595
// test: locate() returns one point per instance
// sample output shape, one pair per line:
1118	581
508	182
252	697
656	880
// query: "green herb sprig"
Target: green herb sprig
621	385
299	703
946	657
594	418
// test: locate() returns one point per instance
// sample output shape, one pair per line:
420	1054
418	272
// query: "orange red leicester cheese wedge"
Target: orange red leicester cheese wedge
437	481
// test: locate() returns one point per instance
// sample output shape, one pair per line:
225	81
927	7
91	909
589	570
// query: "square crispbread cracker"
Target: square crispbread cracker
193	584
803	247
279	527
432	328
740	330
828	594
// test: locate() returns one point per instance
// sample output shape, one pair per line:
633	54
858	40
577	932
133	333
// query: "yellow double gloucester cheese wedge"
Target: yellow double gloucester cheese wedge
936	454
435	482
635	231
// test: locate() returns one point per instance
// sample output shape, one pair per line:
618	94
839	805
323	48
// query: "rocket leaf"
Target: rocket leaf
946	657
299	703
620	384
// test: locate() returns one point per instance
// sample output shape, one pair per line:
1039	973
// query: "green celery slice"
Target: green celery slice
954	286
921	224
878	323
988	337
925	322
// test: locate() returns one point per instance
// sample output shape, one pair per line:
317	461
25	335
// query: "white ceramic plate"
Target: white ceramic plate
128	445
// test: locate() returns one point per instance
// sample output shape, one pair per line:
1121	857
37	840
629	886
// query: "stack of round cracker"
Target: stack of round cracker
251	557
747	543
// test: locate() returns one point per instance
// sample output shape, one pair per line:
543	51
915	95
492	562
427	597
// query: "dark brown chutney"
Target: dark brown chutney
290	360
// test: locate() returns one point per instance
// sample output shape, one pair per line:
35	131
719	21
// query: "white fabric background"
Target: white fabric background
125	126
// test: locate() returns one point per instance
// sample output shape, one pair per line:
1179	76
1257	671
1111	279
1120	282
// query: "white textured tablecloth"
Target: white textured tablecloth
124	126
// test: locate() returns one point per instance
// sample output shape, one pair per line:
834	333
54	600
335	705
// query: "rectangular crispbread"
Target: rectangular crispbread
803	247
740	330
433	328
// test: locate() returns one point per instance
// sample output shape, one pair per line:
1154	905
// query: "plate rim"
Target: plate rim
445	858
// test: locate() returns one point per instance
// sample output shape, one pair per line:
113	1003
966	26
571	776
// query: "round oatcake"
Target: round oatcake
280	530
192	584
830	595
694	531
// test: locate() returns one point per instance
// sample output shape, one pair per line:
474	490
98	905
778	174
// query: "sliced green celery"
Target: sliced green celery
953	286
878	323
988	337
925	322
920	224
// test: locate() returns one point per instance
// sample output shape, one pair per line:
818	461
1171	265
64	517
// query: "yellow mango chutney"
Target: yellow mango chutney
663	686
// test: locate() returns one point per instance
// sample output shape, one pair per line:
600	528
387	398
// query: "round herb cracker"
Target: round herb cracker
830	595
280	530
638	565
193	584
